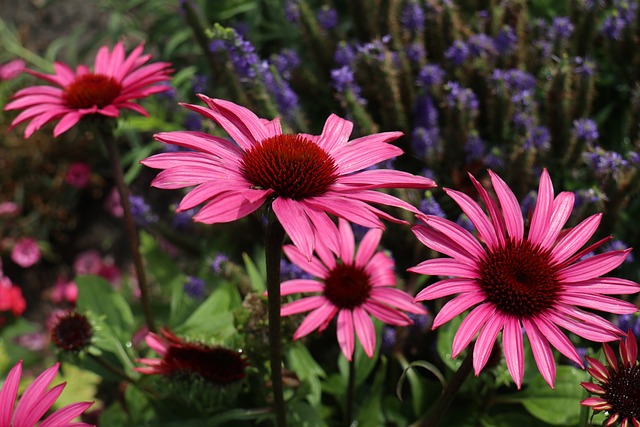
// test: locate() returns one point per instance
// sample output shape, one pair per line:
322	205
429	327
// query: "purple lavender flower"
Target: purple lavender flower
345	54
244	58
141	211
584	67
589	196
420	321
585	130
218	262
286	61
374	49
285	97
388	339
528	202
343	78
464	222
425	142
430	75
538	138
291	11
603	162
428	173
506	40
290	271
457	53
634	157
327	17
183	219
430	206
494	159
194	287
217	45
461	97
561	28
629	321
415	52
474	147
425	112
481	45
192	121
413	16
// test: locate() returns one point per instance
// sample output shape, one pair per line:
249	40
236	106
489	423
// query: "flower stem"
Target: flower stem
450	391
351	392
131	230
273	252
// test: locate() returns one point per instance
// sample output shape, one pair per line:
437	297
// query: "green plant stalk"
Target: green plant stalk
130	228
450	391
351	392
273	252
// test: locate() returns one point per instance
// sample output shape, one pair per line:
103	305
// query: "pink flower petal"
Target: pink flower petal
510	207
470	327
514	349
34	392
8	394
456	306
299	286
302	305
486	340
326	231
237	120
295	222
442	243
562	207
200	141
335	133
345	333
542	211
594	266
368	246
385	178
386	314
347	242
229	207
40	406
397	298
458	234
558	339
480	221
541	352
312	266
599	302
607	285
380	270
364	330
446	267
575	238
64	415
446	287
315	319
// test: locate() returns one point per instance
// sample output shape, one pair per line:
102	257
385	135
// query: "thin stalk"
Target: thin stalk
351	392
130	228
273	252
450	391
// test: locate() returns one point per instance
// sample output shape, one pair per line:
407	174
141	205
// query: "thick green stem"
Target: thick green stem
273	251
450	391
131	229
351	392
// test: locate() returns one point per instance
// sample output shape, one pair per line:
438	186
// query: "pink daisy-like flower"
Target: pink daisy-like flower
351	287
116	80
36	401
534	283
306	176
25	252
618	388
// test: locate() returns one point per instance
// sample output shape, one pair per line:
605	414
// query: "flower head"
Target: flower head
72	332
533	284
215	364
618	385
36	401
25	252
351	287
11	298
114	83
305	177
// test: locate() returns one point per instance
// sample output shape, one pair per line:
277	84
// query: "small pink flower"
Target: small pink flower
353	288
25	252
11	298
87	262
78	175
11	69
36	401
113	205
64	291
114	83
8	209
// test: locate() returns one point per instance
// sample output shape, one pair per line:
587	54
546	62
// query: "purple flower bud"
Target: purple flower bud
194	287
430	75
141	211
430	206
217	263
413	16
457	52
585	130
481	45
474	147
561	28
327	18
506	40
415	52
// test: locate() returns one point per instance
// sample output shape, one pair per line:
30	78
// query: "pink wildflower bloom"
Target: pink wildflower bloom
25	252
8	209
618	385
113	204
78	175
11	298
11	69
64	291
534	283
353	288
116	80
36	401
305	176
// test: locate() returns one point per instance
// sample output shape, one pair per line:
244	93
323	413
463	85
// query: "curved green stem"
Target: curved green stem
351	392
273	252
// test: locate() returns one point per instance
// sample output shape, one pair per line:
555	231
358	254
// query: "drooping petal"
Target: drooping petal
558	339
486	340
479	220
543	209
599	302
541	352
458	234
510	207
364	330
64	415
295	222
456	306
345	333
513	346
347	242
442	243
446	287
315	319
386	314
396	298
8	394
470	326
594	266
446	267
312	266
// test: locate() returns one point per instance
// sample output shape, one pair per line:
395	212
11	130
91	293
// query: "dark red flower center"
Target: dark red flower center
216	364
291	165
72	332
347	286
520	279
89	90
623	392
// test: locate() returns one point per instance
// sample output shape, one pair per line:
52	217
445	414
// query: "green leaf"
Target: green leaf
511	420
213	317
257	280
417	385
558	406
97	296
307	369
370	414
446	333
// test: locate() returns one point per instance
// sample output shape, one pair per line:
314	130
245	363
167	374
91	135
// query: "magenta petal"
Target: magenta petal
397	298
233	207
442	243
562	207
486	340
42	405
8	394
456	233
299	286
380	269
386	314
34	392
445	288
607	285
368	246
64	415
302	305
312	266
345	333
446	267
575	238
513	349
543	209
477	217
470	327
594	266
239	122
315	319
599	302
66	123
456	306
385	178
541	352
335	133
326	231
295	222
364	330
558	339
347	241
510	207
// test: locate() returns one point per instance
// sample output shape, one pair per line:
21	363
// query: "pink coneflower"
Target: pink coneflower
36	401
25	252
533	283
351	287
215	364
306	176
116	80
